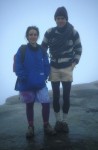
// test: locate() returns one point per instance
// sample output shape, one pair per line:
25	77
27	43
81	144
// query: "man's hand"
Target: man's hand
73	65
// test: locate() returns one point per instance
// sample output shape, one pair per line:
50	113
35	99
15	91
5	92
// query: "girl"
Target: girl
32	74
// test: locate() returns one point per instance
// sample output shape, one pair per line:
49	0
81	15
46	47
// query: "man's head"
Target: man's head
61	16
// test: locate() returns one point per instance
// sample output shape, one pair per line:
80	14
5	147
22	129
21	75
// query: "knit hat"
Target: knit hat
61	11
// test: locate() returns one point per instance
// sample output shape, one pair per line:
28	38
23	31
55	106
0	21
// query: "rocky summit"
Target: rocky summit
82	121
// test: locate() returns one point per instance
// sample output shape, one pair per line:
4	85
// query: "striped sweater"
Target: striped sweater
64	46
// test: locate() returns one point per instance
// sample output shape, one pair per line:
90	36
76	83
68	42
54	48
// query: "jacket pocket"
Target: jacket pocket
36	80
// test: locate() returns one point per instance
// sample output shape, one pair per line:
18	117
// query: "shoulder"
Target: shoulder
21	51
40	48
76	35
22	48
44	53
50	30
75	32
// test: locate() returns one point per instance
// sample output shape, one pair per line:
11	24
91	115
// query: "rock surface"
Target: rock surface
82	121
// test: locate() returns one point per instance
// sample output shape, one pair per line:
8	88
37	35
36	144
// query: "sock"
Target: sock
57	116
64	117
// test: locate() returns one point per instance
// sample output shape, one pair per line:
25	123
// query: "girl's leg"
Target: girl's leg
45	112
43	98
28	98
30	113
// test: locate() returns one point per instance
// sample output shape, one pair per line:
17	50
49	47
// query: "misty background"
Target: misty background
17	15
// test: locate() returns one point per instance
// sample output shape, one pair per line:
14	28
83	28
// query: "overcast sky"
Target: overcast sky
17	15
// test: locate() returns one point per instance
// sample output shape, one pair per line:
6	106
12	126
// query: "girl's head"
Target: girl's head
32	34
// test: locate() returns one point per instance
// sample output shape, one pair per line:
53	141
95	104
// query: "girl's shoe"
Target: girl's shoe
49	130
30	132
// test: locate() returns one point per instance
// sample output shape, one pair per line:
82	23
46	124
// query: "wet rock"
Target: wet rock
82	121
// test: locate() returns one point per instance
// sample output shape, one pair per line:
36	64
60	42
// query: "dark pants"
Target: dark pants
30	113
56	96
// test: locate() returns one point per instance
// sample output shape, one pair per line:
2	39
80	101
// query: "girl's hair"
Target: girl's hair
30	28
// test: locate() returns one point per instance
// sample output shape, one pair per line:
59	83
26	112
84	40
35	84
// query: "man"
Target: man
65	50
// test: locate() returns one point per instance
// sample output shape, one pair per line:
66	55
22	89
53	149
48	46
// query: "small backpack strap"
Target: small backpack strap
23	51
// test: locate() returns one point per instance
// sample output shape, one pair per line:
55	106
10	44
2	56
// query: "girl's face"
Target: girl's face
32	36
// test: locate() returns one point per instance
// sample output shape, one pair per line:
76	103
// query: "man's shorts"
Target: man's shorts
65	74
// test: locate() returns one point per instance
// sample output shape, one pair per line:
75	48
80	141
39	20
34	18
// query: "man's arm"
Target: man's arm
46	65
77	47
45	42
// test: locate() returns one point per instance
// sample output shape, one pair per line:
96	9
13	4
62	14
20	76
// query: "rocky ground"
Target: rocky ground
82	121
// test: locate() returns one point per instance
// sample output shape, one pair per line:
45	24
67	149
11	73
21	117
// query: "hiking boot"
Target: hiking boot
58	126
30	132
65	127
49	130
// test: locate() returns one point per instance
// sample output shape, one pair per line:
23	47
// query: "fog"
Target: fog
16	16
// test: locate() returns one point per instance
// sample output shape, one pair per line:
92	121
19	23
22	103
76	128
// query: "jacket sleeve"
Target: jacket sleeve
46	65
19	66
45	42
77	47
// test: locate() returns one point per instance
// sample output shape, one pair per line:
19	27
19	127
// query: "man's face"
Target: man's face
60	21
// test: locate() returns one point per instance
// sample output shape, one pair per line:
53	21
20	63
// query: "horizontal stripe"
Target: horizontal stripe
78	50
70	42
77	57
69	50
77	41
61	65
60	60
